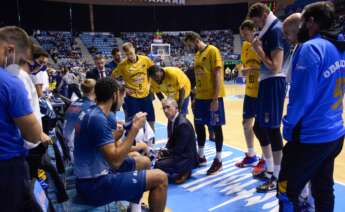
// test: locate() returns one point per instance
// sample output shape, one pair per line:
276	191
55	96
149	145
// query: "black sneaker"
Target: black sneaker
202	161
263	176
215	167
269	185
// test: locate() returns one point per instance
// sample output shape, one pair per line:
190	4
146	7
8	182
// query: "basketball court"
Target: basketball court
232	189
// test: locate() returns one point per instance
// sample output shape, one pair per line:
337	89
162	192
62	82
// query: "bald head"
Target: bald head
291	27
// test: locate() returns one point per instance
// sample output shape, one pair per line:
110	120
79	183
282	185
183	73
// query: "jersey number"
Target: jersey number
198	83
251	78
339	93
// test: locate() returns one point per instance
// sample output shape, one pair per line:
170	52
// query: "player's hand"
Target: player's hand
119	131
162	154
119	125
139	120
257	44
214	105
45	139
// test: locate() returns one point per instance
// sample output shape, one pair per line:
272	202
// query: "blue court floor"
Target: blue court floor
232	189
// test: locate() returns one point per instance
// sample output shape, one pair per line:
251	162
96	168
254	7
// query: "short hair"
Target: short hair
114	51
2	38
126	46
99	57
152	70
105	88
293	20
38	51
257	10
322	12
87	86
17	36
170	101
191	36
65	70
249	24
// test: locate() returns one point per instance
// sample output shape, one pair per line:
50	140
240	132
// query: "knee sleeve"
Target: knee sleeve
276	139
201	134
261	134
218	134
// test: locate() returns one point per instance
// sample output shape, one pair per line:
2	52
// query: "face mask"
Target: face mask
303	34
35	68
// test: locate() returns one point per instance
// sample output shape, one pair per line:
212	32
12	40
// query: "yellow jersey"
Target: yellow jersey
174	80
250	59
135	76
204	64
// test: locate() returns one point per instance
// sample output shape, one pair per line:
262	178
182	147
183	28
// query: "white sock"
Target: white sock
276	171
251	152
135	207
269	164
201	152
219	156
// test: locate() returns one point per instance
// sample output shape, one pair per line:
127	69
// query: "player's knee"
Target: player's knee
277	146
276	138
256	129
142	162
146	162
162	178
247	124
261	134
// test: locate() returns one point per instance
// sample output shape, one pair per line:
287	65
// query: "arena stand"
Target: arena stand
99	43
63	49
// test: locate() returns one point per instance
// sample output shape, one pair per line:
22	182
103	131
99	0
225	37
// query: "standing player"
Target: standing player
250	68
173	82
314	126
209	105
133	70
116	59
271	47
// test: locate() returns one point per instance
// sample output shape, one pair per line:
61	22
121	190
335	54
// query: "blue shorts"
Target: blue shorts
115	186
135	105
184	109
249	107
270	103
128	165
203	115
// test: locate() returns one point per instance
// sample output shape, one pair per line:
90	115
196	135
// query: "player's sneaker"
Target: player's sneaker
247	161
264	176
269	185
202	161
215	167
259	168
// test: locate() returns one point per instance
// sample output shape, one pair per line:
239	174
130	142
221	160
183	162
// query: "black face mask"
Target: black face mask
303	34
